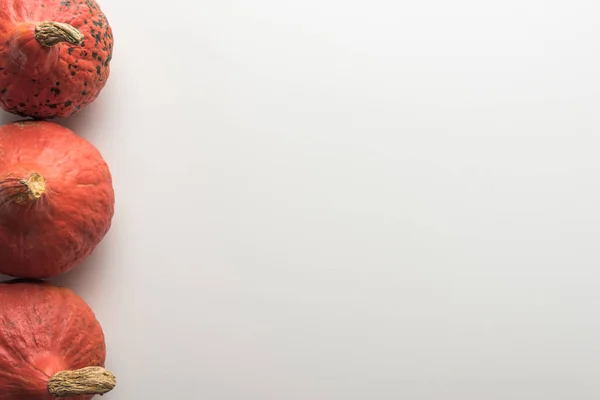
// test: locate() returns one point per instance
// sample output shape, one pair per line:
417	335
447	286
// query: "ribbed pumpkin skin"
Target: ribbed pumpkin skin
48	82
44	329
44	237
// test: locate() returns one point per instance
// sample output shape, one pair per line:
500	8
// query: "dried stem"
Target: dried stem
84	381
22	191
51	33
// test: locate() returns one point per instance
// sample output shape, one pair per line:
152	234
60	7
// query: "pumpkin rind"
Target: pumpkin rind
50	223
48	82
44	329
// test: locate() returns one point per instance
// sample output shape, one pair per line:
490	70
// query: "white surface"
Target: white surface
346	200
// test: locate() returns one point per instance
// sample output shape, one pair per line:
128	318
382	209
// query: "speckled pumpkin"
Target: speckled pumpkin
54	56
56	199
51	344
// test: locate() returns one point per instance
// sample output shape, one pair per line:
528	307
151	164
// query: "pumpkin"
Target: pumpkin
51	344
54	56
56	199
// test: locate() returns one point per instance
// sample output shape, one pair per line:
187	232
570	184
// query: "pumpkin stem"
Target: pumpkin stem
84	381
50	33
23	190
36	186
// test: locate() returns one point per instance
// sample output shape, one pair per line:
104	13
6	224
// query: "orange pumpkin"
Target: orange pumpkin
56	199
51	345
54	56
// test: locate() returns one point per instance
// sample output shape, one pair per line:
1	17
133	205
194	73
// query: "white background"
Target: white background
326	199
